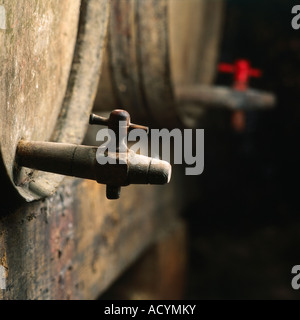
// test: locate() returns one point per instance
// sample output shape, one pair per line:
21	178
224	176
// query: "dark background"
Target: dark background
245	225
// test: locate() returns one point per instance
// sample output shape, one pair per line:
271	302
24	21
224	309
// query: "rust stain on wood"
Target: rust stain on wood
160	272
74	244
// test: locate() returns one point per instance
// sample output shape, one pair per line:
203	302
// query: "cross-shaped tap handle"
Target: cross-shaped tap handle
113	121
242	73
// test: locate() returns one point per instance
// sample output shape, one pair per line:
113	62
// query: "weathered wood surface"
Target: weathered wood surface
212	32
154	46
36	54
186	30
192	114
137	58
50	54
74	244
160	273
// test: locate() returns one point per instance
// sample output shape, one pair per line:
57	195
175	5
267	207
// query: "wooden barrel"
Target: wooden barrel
51	52
154	47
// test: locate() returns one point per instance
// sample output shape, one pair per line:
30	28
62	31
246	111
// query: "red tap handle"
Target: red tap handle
256	73
242	72
226	67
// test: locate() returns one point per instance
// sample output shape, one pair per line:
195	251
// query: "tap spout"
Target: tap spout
81	161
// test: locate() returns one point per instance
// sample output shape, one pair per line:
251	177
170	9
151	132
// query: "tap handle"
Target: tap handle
138	126
94	119
115	117
113	123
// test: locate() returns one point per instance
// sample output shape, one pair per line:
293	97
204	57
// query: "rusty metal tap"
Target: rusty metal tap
119	123
82	162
